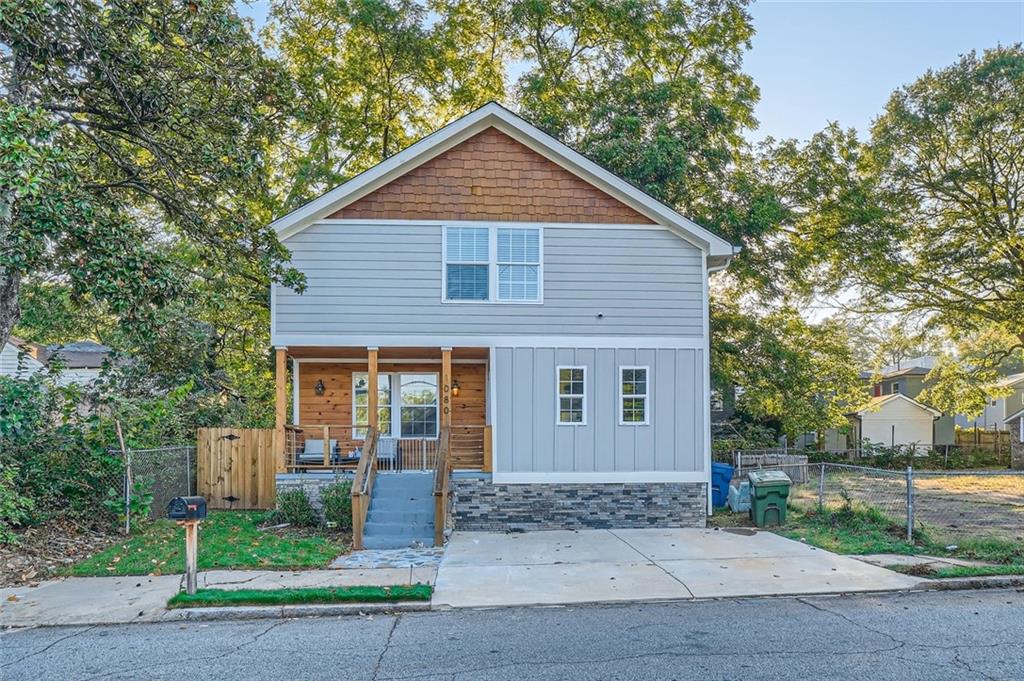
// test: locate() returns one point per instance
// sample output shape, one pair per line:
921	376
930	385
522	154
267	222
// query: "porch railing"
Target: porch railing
333	447
362	487
442	474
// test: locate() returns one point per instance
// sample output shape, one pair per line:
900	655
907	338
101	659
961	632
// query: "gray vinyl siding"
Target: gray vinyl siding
386	279
529	440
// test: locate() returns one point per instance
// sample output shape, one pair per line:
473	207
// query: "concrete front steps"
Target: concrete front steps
401	511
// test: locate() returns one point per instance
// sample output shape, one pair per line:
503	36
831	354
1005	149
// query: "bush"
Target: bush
337	501
293	507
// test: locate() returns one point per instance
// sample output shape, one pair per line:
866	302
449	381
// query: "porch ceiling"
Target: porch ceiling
384	353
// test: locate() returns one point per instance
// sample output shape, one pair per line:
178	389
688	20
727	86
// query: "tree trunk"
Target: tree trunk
10	280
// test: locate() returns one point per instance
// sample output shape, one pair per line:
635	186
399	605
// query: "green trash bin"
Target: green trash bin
768	493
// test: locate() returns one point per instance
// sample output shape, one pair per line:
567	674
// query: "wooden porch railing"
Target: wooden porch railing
442	474
362	487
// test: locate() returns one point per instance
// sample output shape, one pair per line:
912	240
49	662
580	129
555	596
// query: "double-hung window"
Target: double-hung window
572	396
493	264
633	391
467	263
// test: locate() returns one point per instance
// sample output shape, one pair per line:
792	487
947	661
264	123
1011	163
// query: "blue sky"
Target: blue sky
821	61
828	60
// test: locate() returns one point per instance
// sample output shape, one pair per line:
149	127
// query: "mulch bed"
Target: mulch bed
45	552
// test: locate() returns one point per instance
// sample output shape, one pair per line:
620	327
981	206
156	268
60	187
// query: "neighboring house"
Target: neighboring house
20	359
1015	424
895	420
911	381
80	361
495	281
1000	410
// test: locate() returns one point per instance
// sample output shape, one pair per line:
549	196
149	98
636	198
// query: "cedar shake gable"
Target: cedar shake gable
491	176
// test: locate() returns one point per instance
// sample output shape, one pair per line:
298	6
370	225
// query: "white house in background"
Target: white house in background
80	361
894	420
20	359
999	411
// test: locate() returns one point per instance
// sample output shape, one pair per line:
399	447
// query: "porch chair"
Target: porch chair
312	452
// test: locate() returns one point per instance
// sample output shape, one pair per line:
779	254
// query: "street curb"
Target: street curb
972	583
256	612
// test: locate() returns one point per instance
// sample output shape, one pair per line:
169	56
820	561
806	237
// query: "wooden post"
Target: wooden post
488	449
280	407
327	446
446	387
191	555
371	389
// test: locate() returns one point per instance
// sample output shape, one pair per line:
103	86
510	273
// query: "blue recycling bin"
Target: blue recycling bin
721	474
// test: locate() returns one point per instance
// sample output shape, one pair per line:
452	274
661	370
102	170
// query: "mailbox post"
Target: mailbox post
188	512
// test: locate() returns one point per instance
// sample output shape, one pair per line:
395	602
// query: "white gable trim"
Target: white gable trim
871	408
496	116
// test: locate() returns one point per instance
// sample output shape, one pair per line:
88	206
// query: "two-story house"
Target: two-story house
492	281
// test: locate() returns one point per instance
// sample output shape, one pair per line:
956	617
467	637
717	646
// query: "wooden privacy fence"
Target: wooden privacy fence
235	467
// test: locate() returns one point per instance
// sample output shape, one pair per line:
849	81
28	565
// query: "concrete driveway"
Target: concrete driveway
482	569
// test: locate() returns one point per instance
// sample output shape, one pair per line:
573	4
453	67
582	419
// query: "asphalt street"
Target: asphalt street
929	636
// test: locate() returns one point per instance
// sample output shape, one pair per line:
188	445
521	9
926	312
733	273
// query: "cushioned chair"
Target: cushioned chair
312	452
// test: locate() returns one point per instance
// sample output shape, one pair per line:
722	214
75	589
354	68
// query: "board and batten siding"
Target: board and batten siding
385	279
528	439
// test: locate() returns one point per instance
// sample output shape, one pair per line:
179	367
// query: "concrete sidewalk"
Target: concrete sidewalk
557	567
113	600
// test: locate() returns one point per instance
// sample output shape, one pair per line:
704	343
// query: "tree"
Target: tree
799	375
373	76
653	90
123	127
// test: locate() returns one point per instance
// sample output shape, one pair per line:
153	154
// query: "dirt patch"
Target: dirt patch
44	552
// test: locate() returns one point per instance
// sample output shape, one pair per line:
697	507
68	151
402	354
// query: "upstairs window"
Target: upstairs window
493	264
518	264
572	396
467	263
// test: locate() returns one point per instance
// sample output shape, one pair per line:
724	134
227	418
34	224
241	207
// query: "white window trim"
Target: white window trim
492	264
646	396
396	408
559	395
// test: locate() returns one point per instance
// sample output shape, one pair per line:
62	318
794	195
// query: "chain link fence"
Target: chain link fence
150	478
947	505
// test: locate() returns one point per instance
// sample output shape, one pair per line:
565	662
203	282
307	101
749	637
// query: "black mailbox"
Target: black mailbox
187	508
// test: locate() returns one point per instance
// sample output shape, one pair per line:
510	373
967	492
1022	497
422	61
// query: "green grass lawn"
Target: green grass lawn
207	598
859	530
227	539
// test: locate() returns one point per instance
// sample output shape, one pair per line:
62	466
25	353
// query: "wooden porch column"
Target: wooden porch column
371	389
280	406
446	387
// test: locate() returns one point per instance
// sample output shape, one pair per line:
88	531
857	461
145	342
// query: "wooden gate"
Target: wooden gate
235	467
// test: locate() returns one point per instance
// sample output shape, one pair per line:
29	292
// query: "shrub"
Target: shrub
293	507
337	501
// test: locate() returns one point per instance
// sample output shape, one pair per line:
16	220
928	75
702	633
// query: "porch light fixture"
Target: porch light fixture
319	387
455	388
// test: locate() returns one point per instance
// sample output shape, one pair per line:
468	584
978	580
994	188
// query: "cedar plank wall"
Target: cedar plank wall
491	176
334	407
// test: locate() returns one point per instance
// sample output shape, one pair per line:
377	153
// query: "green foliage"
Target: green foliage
212	598
140	503
337	502
799	375
293	507
229	540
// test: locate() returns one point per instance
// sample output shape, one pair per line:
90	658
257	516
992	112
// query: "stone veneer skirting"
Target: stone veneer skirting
480	505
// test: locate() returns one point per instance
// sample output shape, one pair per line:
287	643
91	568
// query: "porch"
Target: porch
326	408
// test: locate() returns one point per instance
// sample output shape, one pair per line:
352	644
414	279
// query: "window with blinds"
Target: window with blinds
496	264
